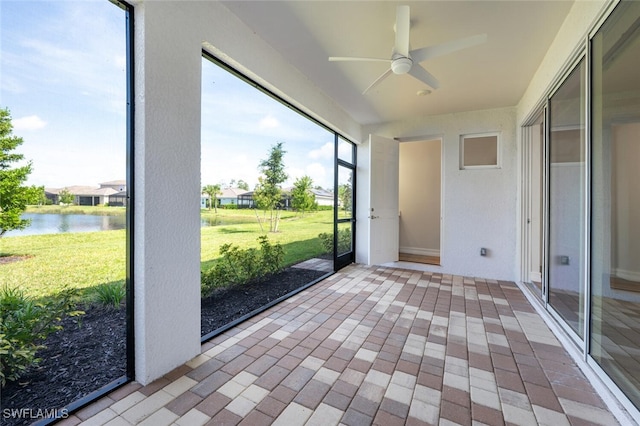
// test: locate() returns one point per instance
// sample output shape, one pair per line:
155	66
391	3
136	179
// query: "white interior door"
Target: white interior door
383	200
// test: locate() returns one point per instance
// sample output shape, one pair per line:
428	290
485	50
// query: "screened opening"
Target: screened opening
268	198
66	275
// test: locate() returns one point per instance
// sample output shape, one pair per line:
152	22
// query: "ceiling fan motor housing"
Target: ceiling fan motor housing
401	65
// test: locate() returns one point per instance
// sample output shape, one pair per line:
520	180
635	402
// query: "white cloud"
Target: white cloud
344	151
31	122
324	152
269	122
233	167
316	171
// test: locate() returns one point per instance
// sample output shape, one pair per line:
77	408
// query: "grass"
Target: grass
87	260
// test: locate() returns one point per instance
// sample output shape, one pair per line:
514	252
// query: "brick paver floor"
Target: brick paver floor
372	345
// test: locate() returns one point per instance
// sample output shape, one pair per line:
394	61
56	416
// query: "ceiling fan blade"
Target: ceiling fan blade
424	76
378	80
403	25
419	55
349	58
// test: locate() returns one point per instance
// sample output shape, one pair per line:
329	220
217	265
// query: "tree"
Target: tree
344	195
65	197
14	195
42	198
268	192
242	185
302	199
212	191
238	184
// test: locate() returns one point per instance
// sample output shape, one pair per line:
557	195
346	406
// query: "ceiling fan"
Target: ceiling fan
405	61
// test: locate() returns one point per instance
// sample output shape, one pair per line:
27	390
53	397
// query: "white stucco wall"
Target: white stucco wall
479	206
168	40
581	18
626	201
167	162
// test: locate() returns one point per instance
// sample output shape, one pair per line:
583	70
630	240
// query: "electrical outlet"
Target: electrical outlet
483	251
564	260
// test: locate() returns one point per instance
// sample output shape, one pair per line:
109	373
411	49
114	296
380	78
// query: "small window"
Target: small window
479	151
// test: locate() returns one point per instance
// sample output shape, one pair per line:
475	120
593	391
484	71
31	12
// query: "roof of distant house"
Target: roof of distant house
322	193
114	182
232	192
228	193
83	190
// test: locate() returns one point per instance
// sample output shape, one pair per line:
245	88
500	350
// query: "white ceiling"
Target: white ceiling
492	75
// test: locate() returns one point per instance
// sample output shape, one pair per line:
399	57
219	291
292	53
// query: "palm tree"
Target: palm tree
212	191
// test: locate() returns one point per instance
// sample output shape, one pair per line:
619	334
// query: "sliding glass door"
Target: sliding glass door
566	200
615	233
589	131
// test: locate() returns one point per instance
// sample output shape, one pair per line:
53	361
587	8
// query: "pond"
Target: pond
227	220
53	223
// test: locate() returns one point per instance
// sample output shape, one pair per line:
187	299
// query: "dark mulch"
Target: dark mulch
83	357
228	305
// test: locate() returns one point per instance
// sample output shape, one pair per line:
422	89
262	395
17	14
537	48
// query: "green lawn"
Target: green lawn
85	260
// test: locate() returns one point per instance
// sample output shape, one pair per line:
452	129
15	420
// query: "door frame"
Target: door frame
340	260
528	129
440	139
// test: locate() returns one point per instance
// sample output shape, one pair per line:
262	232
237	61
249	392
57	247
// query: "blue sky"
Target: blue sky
240	124
62	75
63	79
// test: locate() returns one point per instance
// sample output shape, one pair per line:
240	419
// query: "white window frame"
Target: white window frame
497	165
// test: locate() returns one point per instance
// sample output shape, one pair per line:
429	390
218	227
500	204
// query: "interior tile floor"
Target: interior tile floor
373	345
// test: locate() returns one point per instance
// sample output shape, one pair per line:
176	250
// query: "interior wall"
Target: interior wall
479	205
419	197
625	204
167	70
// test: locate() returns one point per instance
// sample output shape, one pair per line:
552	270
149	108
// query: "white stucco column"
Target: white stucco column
167	190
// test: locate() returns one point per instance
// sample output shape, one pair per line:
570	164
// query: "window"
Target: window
479	151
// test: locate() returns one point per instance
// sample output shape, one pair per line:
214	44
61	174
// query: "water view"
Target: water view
56	223
225	220
53	223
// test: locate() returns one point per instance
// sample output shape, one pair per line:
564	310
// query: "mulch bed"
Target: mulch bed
83	357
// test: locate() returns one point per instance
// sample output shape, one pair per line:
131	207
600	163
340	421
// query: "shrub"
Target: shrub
25	324
327	241
344	240
110	294
241	266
